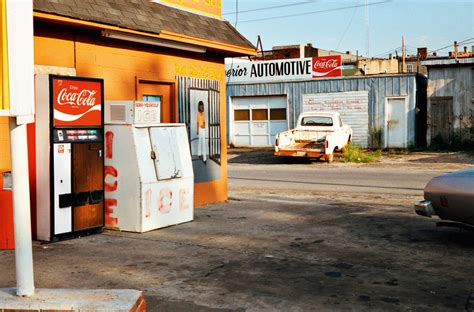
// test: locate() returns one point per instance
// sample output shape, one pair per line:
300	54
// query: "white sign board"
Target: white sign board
269	71
147	112
353	107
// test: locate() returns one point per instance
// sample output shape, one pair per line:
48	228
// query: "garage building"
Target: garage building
387	111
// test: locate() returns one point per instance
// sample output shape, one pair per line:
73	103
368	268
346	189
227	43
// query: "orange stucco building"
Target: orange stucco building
143	49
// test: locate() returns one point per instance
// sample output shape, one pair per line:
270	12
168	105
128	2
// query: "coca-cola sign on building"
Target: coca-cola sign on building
77	102
327	66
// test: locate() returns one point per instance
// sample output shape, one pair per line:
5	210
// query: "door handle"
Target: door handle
100	153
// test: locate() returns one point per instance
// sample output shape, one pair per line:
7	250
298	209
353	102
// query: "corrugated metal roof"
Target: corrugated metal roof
459	61
147	16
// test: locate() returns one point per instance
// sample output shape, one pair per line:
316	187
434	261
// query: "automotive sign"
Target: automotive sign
77	102
284	70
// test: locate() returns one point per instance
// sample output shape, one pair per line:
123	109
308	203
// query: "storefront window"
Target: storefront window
241	115
259	114
278	114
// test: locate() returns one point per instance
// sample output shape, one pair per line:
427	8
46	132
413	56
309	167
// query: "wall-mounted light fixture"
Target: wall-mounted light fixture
153	41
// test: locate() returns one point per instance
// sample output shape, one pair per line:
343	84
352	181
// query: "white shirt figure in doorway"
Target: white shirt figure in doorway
201	131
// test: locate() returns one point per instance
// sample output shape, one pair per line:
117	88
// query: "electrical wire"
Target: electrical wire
387	52
271	7
449	46
313	12
235	26
347	28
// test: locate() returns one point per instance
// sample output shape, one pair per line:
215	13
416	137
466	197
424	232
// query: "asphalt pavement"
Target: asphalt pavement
292	237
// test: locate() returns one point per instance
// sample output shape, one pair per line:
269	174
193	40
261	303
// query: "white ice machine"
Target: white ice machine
149	181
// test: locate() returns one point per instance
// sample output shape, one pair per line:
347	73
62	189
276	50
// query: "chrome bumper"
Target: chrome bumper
425	208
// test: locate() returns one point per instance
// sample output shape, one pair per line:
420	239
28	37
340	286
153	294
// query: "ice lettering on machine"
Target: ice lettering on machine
110	186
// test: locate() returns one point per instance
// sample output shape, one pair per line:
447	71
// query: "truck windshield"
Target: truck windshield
317	121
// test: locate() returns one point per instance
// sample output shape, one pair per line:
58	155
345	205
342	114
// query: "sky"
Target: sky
424	23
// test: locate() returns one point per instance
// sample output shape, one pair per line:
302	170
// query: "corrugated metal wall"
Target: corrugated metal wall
379	87
457	83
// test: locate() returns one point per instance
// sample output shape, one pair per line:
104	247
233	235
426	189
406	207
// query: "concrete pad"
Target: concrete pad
74	300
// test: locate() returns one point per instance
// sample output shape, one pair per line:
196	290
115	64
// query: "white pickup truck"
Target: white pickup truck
317	135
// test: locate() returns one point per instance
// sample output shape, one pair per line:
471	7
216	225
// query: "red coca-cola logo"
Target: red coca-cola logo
82	98
327	66
77	102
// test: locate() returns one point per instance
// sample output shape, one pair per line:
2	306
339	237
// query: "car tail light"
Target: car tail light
326	144
276	141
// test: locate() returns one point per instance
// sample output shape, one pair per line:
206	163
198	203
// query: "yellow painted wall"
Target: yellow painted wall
4	144
120	64
210	7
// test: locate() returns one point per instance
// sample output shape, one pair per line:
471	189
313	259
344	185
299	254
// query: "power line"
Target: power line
391	50
450	45
347	28
271	7
313	12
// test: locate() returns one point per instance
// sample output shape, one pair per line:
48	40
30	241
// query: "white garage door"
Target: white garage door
256	120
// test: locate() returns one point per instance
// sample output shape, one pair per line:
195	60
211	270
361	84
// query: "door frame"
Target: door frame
405	131
173	94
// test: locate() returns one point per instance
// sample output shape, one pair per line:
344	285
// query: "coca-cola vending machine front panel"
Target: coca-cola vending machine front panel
77	102
76	153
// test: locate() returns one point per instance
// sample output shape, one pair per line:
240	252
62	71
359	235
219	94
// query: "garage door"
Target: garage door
256	120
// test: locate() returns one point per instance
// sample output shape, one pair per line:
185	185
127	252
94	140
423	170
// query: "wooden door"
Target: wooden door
441	119
87	185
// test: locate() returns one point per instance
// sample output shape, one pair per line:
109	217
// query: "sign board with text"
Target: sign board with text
147	112
352	105
284	70
77	102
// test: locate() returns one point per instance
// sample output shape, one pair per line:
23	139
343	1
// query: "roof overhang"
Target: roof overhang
166	38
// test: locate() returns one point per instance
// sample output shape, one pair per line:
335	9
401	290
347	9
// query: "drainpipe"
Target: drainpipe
21	209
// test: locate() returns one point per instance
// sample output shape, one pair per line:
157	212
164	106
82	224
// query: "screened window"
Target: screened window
241	115
259	114
317	121
278	114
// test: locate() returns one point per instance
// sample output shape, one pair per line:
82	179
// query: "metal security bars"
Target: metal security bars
185	85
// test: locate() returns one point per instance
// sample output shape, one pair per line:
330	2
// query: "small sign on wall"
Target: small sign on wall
147	112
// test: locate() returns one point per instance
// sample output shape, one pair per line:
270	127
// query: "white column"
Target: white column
21	209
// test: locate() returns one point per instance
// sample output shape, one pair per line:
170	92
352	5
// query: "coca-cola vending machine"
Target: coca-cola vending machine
66	157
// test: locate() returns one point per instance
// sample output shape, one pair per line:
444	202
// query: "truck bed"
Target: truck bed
302	149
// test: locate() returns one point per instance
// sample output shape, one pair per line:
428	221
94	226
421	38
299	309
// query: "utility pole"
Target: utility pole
367	28
17	102
403	54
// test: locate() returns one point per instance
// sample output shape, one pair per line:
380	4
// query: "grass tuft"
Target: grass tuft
359	155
